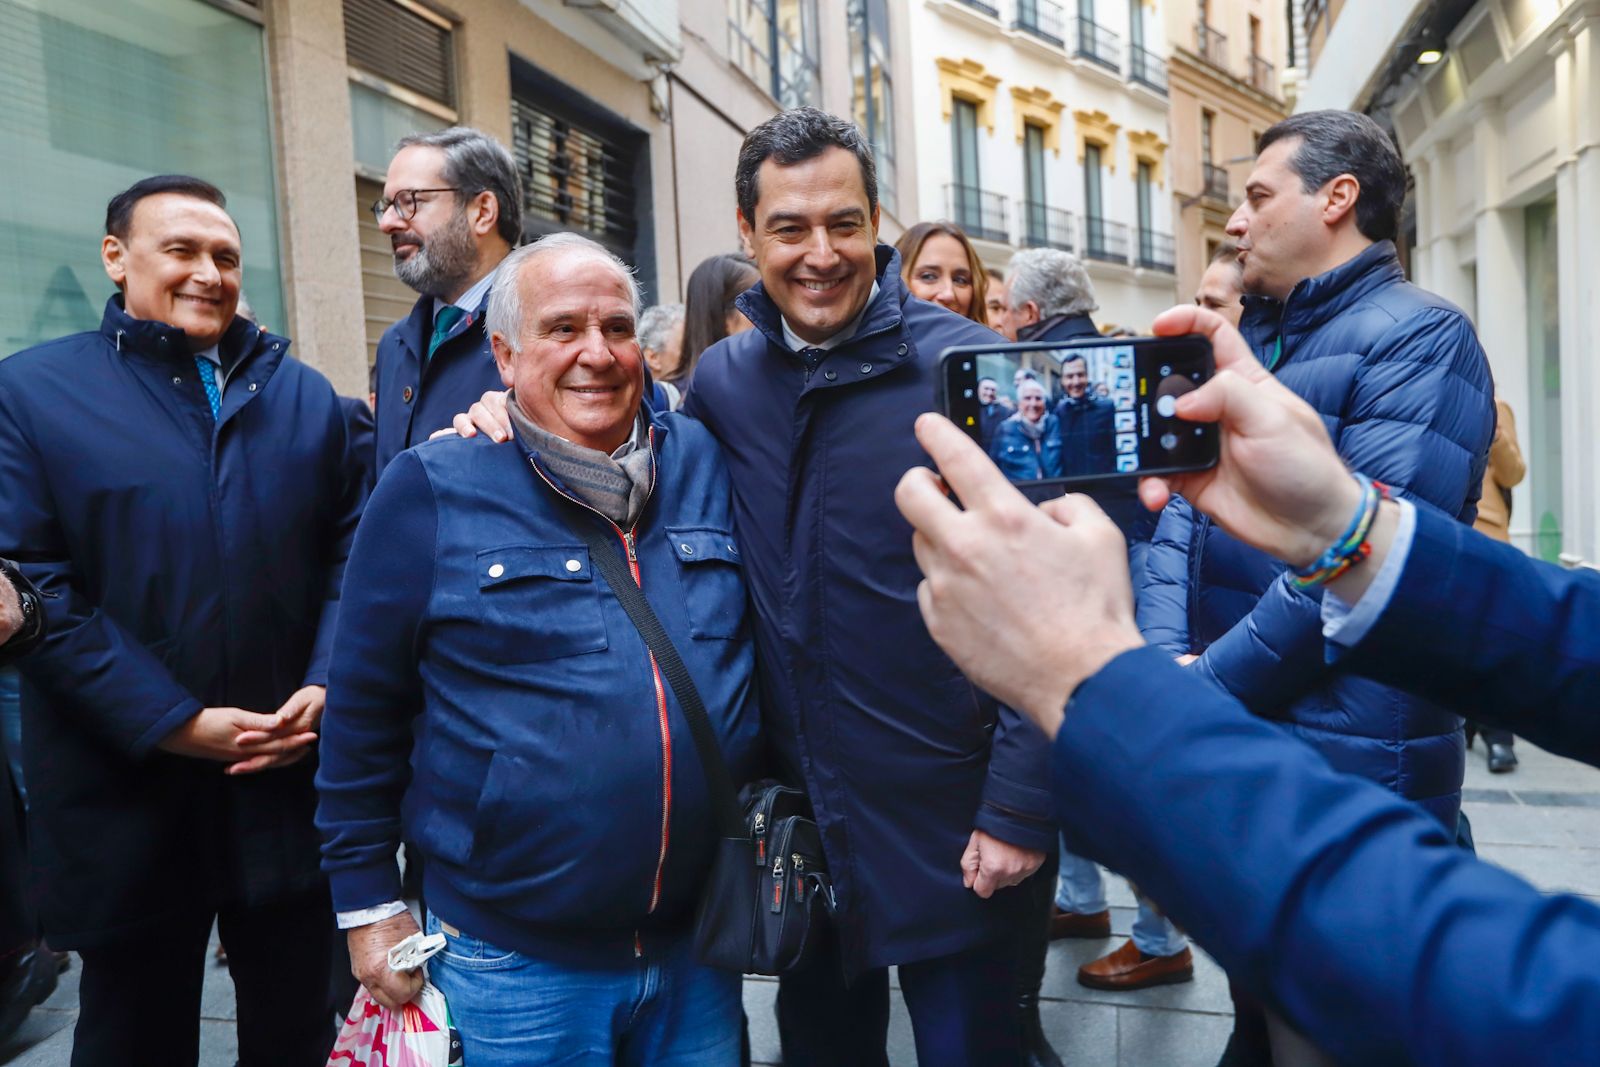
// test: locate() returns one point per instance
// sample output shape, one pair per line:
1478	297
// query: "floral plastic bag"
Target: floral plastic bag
418	1035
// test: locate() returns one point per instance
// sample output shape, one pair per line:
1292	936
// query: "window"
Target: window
775	43
873	89
966	190
402	81
94	102
406	48
1035	198
582	169
1255	36
1141	185
1208	122
964	142
1091	181
1543	425
1136	23
1289	29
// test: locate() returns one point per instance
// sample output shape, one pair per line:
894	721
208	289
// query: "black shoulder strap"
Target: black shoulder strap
604	554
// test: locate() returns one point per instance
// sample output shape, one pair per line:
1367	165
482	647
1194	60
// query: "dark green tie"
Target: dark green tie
446	321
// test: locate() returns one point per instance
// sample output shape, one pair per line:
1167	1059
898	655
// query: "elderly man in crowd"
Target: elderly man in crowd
452	208
1027	445
1048	297
186	493
491	699
931	800
661	341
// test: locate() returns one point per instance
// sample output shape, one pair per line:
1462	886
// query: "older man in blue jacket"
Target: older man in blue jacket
490	698
185	494
931	801
1295	876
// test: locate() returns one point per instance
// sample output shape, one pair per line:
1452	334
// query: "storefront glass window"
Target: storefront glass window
1544	386
98	96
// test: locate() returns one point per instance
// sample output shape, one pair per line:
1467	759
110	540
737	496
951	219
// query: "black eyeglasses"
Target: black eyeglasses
404	202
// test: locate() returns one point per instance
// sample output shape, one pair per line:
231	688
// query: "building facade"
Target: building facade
1225	82
625	120
1044	125
1502	137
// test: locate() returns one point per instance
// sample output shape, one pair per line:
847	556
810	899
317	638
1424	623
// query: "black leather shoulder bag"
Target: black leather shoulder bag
769	888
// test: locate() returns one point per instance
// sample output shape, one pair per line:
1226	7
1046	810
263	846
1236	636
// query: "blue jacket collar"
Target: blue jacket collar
1316	300
1059	328
882	315
157	340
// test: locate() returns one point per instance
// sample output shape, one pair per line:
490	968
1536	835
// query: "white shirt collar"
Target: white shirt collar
469	300
213	353
797	343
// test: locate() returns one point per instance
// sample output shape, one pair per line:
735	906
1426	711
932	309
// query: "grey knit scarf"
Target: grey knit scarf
615	485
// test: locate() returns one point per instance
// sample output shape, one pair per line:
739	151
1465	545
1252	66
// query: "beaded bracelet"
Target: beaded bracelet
1352	546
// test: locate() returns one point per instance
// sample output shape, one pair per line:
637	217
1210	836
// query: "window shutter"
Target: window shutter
400	46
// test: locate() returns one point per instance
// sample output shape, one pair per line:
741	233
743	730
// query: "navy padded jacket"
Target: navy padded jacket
1404	388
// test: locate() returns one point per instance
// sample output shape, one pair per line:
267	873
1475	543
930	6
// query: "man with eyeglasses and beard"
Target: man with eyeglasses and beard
452	207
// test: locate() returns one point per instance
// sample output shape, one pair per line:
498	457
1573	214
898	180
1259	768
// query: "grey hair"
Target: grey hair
1053	280
505	313
656	323
475	162
1034	383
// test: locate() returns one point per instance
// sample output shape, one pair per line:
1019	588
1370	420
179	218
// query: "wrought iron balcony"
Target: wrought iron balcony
1147	69
1211	44
1098	45
1156	251
1105	240
1261	76
982	214
1043	19
1217	187
1046	227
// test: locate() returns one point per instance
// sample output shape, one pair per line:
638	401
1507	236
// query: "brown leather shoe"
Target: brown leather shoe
1072	924
1128	968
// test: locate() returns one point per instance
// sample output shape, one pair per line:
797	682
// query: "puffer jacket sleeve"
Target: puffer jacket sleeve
1419	418
1162	602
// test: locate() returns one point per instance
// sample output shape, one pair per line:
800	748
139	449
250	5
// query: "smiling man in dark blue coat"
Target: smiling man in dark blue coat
184	494
930	800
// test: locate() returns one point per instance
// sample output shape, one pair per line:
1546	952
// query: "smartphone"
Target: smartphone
1096	410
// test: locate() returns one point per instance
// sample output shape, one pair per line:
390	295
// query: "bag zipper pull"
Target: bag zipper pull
799	875
777	884
759	828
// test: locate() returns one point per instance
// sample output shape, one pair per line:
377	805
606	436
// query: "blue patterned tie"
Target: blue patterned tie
208	378
446	321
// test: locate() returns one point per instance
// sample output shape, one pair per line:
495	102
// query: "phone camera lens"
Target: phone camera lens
1169	441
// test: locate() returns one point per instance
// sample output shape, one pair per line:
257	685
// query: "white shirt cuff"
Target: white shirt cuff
349	920
1345	624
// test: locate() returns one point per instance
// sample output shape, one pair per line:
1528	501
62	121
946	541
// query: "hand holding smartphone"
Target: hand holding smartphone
1093	411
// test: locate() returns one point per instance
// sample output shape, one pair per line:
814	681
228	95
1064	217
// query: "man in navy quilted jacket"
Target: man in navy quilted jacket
1404	389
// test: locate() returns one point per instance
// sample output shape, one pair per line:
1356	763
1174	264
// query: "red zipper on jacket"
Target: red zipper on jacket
628	544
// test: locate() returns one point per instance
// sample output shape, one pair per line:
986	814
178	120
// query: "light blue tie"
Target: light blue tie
208	378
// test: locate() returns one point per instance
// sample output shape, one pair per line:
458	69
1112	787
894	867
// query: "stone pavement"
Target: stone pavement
1543	822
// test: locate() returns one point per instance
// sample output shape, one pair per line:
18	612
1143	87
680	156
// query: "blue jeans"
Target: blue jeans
514	1010
1081	889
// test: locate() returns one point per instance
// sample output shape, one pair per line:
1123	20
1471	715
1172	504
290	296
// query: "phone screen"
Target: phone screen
1088	411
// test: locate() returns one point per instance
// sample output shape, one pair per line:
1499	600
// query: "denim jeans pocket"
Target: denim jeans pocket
463	950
